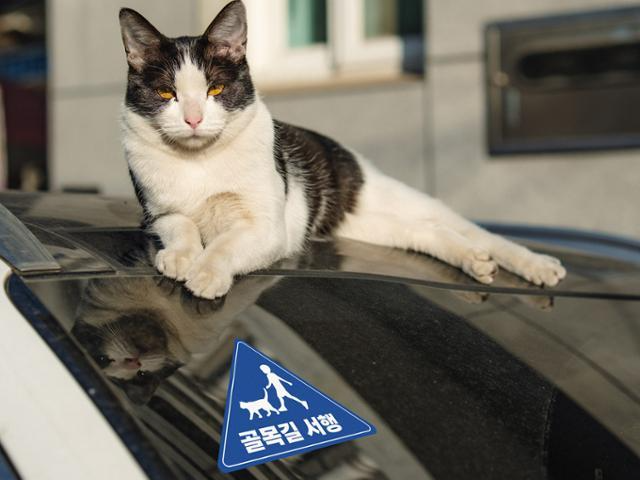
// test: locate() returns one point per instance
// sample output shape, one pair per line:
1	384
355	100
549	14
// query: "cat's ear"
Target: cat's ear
227	34
141	39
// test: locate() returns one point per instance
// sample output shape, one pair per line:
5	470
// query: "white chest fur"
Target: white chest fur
177	181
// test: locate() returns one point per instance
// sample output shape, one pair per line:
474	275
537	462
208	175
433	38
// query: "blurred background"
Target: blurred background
524	111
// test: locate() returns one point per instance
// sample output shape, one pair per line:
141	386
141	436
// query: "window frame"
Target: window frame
348	51
271	58
353	51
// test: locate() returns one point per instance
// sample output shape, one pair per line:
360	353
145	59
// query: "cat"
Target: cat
257	405
230	190
139	330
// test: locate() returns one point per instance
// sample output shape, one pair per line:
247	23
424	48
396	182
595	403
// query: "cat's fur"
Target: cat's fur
255	406
229	190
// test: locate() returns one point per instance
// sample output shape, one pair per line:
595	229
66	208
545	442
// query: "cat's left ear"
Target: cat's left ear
227	34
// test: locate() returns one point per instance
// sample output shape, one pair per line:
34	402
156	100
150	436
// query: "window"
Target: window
307	22
391	17
309	40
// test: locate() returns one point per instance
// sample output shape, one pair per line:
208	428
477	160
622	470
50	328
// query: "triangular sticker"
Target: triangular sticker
271	413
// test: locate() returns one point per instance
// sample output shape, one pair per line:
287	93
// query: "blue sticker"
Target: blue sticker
271	413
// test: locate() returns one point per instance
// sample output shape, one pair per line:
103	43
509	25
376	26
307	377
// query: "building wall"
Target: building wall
589	190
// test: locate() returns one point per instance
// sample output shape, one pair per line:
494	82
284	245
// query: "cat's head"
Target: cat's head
188	89
132	350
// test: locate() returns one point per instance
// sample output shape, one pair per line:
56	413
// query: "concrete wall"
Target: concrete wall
591	190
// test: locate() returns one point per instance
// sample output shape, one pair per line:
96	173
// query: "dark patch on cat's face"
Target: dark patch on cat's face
158	72
239	91
155	61
139	330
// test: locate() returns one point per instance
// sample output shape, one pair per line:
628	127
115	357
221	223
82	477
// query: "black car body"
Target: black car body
461	380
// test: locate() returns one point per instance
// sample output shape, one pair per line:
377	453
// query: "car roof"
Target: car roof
95	235
412	344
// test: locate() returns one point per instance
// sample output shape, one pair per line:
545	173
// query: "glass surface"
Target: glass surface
392	17
21	248
307	22
455	381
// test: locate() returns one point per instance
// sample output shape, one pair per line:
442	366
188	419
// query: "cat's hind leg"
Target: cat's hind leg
435	239
403	215
539	269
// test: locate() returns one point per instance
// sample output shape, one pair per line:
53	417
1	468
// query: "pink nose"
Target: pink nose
132	363
193	121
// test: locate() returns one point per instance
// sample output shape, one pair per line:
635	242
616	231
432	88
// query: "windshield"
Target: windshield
451	380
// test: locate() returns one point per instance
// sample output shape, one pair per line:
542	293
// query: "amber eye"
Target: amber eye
215	91
166	94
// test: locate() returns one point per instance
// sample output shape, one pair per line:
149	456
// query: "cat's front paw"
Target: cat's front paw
205	279
479	265
175	263
543	270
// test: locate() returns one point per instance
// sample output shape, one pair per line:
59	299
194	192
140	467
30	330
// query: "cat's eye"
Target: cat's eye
166	94
103	361
142	373
215	91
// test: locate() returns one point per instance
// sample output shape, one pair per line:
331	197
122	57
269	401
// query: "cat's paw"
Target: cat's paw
174	263
473	298
206	280
543	270
538	302
479	265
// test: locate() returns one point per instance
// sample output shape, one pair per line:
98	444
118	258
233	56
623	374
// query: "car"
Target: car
461	380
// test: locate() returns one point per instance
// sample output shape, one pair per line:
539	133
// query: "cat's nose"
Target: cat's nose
193	121
132	363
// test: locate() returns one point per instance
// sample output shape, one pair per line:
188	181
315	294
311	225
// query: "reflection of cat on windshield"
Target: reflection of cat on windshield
141	329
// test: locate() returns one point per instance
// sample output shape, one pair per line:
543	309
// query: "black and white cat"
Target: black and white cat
229	190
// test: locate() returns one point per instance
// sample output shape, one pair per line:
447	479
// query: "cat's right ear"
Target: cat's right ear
141	39
227	34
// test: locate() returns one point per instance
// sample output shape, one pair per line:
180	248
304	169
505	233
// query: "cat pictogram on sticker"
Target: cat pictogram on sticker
271	413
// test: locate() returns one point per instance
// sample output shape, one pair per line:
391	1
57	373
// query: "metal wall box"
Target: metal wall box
564	83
